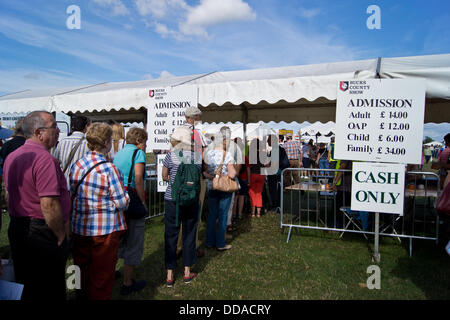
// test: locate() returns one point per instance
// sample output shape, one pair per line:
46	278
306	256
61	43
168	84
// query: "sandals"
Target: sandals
169	283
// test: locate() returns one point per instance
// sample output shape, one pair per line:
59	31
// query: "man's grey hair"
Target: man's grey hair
18	130
32	122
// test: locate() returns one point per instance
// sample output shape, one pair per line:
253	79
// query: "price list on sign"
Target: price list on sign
166	112
380	120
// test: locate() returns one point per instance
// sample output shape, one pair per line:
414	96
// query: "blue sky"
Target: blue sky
125	40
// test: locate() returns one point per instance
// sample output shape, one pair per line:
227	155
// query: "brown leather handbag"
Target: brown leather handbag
224	183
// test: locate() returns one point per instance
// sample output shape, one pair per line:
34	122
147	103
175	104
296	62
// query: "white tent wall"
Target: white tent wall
434	143
237	129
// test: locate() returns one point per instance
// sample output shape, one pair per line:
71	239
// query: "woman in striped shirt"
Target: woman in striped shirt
188	215
97	217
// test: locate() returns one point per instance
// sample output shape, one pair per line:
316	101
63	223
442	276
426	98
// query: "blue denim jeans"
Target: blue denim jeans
219	203
323	164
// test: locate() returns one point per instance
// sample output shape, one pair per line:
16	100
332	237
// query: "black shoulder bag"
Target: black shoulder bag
84	176
136	209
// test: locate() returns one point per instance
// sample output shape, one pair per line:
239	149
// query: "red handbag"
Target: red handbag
443	202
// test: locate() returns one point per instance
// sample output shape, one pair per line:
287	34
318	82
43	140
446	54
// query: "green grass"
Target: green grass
313	265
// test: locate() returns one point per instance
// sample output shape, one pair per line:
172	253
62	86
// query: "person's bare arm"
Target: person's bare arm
206	174
231	170
139	170
52	211
165	174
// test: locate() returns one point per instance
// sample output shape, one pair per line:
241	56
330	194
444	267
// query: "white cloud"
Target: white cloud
309	13
213	12
168	15
159	8
165	74
156	8
118	8
436	131
162	30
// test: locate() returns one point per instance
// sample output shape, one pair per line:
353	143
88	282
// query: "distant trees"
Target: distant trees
427	140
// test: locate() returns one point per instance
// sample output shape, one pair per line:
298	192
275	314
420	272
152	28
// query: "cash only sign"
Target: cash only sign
379	121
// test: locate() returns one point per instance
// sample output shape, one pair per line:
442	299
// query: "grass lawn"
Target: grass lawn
313	265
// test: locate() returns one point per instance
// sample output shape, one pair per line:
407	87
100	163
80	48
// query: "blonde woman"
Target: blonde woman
118	139
97	218
219	201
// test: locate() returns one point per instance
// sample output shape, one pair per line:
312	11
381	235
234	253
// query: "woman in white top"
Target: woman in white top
219	202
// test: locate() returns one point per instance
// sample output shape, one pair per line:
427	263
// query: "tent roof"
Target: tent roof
318	127
257	92
433	143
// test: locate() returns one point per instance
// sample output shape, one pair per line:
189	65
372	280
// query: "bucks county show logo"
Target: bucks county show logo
343	85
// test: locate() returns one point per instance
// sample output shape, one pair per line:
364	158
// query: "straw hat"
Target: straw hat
181	137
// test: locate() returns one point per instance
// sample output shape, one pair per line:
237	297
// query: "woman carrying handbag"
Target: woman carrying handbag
131	162
220	171
99	200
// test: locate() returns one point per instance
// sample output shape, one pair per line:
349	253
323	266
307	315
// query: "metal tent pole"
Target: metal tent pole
376	254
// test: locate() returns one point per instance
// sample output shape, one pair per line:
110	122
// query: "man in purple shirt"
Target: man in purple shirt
39	206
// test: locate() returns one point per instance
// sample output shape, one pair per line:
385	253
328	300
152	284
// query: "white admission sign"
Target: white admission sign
162	185
166	112
378	187
380	120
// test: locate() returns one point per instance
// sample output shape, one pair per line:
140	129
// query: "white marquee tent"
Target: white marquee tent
237	129
298	93
319	129
434	143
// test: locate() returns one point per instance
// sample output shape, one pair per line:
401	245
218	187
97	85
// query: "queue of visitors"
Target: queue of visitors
88	197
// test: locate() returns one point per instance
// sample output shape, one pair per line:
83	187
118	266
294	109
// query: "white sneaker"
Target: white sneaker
227	247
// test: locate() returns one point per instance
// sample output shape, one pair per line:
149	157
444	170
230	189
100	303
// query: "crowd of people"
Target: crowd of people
73	196
85	196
